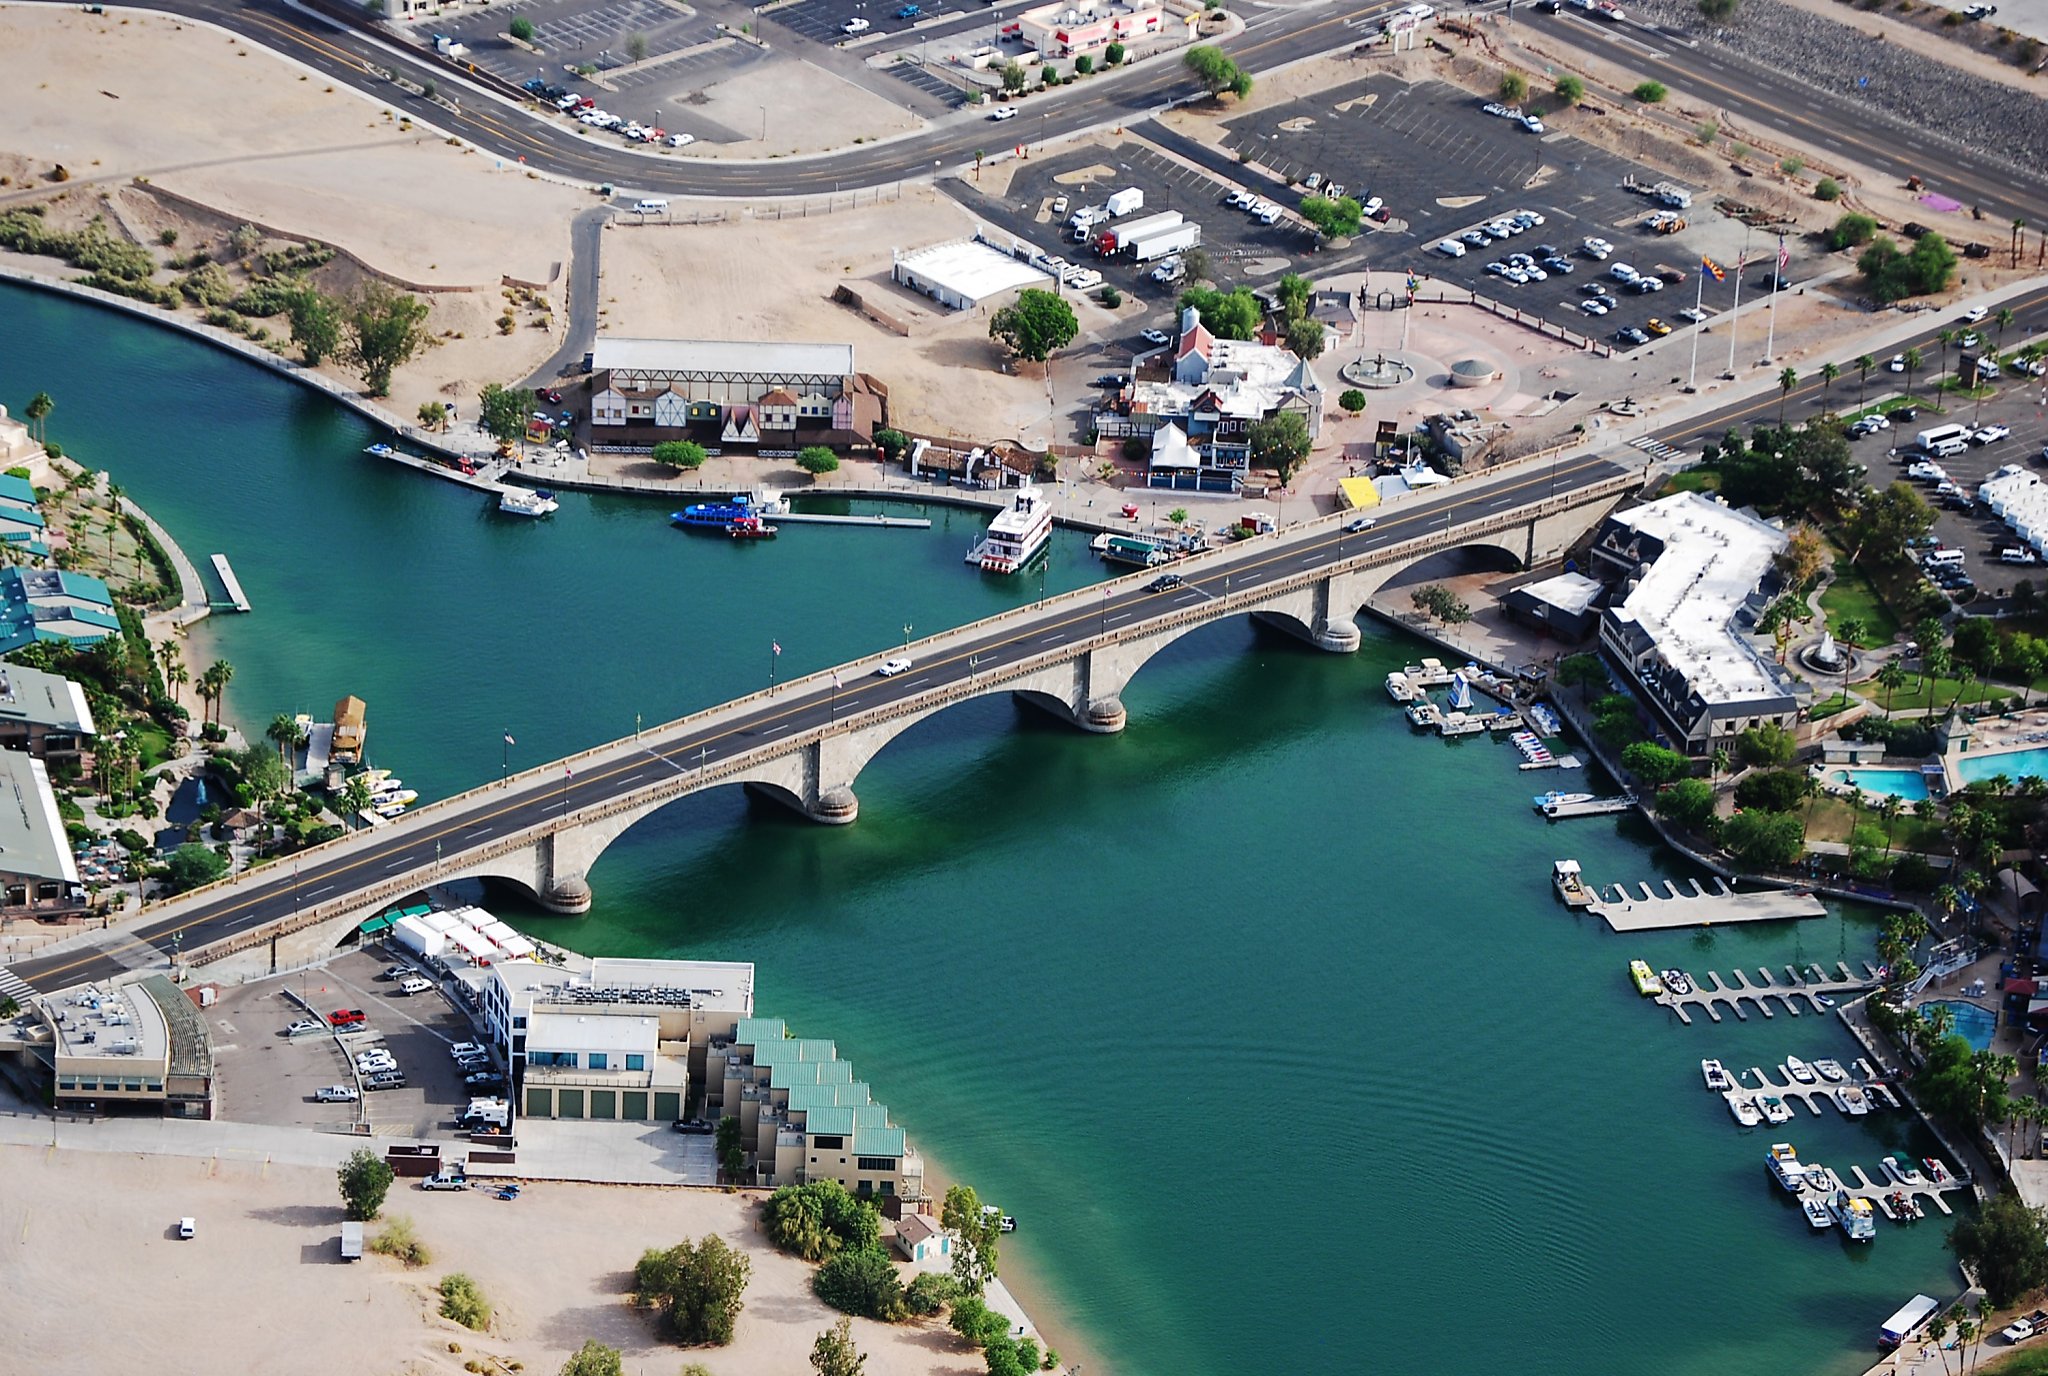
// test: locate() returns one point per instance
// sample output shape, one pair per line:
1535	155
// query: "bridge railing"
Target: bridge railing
428	817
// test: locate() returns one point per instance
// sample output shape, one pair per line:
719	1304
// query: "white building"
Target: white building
616	1039
965	273
1691	576
1069	28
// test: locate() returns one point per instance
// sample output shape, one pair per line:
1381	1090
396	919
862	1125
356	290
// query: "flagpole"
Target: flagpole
1771	333
1699	296
1735	312
773	650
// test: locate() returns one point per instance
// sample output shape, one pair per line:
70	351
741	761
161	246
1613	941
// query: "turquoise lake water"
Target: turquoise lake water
1259	1016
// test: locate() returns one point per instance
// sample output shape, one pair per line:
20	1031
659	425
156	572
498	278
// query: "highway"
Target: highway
434	841
1778	102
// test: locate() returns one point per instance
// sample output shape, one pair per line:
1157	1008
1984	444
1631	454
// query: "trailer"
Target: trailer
1167	241
1122	203
1115	238
351	1241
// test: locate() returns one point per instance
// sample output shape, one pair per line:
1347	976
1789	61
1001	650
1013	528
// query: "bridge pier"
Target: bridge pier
567	894
1339	637
1104	717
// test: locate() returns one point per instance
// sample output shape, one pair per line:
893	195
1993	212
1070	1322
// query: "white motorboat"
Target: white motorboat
1742	1109
1799	1070
1775	1110
1831	1071
1855	1216
1555	798
1817	1215
1676	981
1716	1076
517	501
1785	1168
1901	1168
1852	1100
1017	535
1398	686
388	810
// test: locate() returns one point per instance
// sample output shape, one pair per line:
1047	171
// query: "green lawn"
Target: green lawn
1700	479
1935	692
1827	707
1887	406
152	740
1853	594
1832	819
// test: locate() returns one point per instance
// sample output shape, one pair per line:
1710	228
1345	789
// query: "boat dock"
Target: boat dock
237	599
1711	998
483	474
1591	807
819	519
1626	912
1554	762
1883	1191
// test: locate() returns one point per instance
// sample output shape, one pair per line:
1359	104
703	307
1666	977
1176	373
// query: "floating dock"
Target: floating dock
1626	912
237	600
817	519
484	478
1817	1097
1711	996
1591	807
1557	762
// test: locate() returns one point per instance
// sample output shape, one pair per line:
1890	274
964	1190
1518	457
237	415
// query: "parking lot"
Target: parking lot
825	21
1444	167
268	1077
571	35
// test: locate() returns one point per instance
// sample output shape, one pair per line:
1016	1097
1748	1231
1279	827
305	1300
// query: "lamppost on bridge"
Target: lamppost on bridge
906	637
505	756
832	714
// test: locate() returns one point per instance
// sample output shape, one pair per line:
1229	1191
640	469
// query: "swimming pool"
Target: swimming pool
1907	784
2014	764
1974	1025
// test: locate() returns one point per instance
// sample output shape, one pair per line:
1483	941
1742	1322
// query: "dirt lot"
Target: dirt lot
94	1227
756	279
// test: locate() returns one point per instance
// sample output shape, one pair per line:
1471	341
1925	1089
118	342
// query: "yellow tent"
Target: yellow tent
1359	493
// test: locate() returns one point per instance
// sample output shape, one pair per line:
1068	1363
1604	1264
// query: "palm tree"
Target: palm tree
284	734
2002	319
2018	225
1946	338
1937	1329
1945	898
1863	366
1891	677
1850	632
1889	810
1828	373
222	674
177	678
2001	784
1720	761
1787	380
1914	359
38	410
355	799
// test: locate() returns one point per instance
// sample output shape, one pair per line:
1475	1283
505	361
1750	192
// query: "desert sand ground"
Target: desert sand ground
768	279
809	109
98	1281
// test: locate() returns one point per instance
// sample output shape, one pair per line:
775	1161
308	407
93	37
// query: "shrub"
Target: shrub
1570	90
817	460
521	28
1792	167
396	1239
1514	87
464	1303
1111	297
1352	400
167	237
930	1292
1650	92
1048	75
207	286
1827	189
1083	65
1708	132
1773	790
1851	230
861	1281
1113	55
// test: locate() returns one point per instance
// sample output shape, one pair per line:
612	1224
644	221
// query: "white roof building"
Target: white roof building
965	273
644	362
1690	571
1217	390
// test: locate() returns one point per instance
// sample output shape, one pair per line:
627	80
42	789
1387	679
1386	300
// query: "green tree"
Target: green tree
1570	89
1083	65
1048	75
283	731
1227	315
1772	839
1769	746
834	1353
1294	293
37	411
1113	55
1214	69
355	799
1653	764
1014	77
364	1179
382	330
683	454
433	415
820	1217
975	1234
463	1301
930	1292
1828	373
1514	87
1304	339
315	323
1773	790
1650	92
975	1321
636	47
698	1285
1928	267
192	865
817	460
1882	523
1787	380
893	444
732	1157
521	28
1035	324
1719	11
502	411
593	1359
1279	442
1689	802
1352	400
861	1281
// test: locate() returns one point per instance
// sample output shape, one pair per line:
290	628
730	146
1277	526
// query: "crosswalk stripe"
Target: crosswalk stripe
13	986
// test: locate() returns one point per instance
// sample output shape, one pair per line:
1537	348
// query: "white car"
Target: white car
1991	434
1897	364
1007	112
681	140
1155	337
855	25
1534	273
892	667
187	1229
1622	272
1270	215
1498	269
305	1027
466	1049
1494	107
2032	367
1927	472
1695	314
1532	124
1974	314
1527	216
1372	204
1593	307
1450	248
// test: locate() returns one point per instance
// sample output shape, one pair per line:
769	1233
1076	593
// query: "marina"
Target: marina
1853	1098
1819	993
1900	1192
1625	912
237	599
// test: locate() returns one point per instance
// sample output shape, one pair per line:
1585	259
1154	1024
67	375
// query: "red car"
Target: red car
346	1017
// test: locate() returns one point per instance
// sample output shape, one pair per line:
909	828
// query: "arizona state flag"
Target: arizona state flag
1709	266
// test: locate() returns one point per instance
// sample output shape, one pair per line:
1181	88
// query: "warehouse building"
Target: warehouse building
965	274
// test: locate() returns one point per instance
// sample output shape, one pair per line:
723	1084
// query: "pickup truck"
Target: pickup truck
445	1181
2019	1330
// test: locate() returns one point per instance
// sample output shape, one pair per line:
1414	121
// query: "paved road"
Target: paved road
433	842
586	247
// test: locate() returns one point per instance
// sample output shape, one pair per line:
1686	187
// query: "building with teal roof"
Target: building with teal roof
54	606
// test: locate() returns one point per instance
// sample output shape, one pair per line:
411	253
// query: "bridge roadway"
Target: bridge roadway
1777	101
374	866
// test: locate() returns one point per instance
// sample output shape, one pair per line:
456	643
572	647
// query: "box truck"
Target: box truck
1167	241
1122	203
1114	238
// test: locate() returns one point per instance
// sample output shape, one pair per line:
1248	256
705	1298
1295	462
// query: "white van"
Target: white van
1949	448
653	205
414	985
1944	559
1929	438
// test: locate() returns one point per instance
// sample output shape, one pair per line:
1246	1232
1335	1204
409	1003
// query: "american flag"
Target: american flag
777	645
1784	254
1741	262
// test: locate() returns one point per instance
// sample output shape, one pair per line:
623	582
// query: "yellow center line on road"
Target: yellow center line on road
753	723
